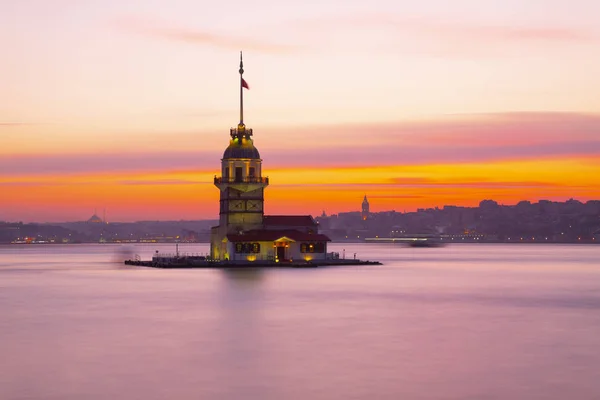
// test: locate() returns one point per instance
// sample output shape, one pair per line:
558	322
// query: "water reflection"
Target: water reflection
462	322
242	327
122	253
245	277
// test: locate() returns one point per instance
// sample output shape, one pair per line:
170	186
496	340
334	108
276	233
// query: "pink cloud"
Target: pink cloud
200	37
490	32
14	124
518	128
424	35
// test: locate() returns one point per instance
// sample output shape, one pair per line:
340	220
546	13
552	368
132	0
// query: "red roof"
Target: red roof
262	235
289	220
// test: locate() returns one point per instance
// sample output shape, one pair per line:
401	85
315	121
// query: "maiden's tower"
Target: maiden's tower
244	233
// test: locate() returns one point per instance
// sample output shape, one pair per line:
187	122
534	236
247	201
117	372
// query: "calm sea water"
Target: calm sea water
459	322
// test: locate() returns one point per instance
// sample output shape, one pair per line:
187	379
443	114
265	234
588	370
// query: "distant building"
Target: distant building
365	209
95	219
244	233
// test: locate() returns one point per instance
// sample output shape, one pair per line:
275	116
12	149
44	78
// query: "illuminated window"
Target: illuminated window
247	248
318	247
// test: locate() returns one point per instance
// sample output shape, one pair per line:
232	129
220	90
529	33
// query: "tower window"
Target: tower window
252	172
239	177
226	172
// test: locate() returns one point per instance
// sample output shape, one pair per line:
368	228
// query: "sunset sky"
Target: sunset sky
127	104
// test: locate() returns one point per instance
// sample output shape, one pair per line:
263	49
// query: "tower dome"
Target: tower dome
243	148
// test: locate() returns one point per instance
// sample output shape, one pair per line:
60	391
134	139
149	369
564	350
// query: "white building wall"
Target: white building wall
296	254
268	251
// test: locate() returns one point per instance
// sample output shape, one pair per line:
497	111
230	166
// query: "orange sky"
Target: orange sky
109	105
190	194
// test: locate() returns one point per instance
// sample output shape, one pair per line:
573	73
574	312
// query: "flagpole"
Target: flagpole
241	91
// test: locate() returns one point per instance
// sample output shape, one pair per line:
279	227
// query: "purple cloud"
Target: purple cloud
397	154
484	138
75	164
163	182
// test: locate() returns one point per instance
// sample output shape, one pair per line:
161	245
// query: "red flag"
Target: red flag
245	84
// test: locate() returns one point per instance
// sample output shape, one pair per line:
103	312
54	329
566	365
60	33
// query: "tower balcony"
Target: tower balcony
248	179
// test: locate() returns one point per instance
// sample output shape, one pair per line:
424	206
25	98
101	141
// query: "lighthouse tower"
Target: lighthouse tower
241	184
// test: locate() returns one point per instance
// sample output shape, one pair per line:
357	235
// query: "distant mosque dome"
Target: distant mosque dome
241	149
95	219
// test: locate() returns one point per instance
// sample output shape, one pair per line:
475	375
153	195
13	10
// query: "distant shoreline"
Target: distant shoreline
591	242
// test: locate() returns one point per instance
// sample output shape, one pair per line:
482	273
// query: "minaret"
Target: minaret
365	209
241	182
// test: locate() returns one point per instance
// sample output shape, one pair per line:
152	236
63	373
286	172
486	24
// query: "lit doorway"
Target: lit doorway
280	252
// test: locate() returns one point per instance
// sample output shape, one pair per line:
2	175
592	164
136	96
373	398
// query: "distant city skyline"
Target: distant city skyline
127	105
101	218
543	222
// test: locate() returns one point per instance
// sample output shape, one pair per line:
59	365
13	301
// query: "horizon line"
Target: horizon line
328	215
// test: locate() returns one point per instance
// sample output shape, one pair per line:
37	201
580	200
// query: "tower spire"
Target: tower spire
241	91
